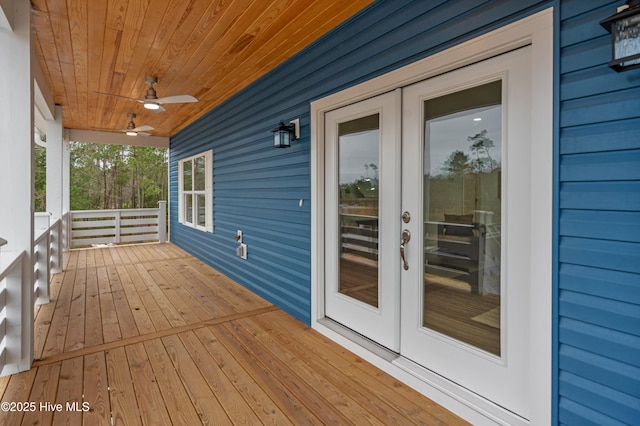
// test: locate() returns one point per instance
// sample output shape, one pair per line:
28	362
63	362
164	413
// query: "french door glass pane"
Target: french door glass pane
358	162
462	215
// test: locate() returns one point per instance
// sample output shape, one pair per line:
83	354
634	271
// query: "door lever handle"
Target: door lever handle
406	236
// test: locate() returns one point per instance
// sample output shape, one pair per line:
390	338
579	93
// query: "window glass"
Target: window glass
188	203
359	158
199	174
201	209
462	215
187	176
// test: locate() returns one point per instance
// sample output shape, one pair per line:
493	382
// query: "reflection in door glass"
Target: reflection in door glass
358	161
462	215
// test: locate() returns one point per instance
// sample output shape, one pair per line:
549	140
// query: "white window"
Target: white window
195	182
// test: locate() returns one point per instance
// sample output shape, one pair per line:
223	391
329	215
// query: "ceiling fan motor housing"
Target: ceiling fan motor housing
151	93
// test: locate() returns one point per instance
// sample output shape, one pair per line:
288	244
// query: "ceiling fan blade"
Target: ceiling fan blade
178	99
143	129
160	109
144	134
119	96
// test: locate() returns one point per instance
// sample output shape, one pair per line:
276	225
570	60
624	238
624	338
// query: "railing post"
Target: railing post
162	221
117	236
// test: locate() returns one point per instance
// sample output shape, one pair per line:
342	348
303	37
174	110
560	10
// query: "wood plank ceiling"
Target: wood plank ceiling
207	49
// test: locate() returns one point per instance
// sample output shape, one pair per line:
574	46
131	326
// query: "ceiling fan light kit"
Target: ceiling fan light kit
151	105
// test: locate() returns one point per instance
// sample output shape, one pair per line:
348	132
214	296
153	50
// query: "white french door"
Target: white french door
466	181
362	199
427	224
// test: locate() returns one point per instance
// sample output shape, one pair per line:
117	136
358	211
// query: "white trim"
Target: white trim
94	136
536	30
207	192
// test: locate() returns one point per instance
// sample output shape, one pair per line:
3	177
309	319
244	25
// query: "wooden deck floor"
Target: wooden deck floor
149	335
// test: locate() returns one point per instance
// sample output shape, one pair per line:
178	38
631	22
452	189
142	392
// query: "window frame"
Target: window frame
207	192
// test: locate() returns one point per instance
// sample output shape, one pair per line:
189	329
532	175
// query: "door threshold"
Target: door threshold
364	342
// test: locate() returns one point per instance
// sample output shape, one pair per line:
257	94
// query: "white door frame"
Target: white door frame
537	31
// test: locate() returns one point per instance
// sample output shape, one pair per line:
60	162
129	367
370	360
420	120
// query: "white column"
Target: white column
57	169
16	176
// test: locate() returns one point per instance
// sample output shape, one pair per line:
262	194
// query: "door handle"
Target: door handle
406	236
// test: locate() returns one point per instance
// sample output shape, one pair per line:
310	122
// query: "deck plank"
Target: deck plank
75	332
45	316
169	340
296	410
18	389
316	378
95	390
245	386
126	319
152	408
70	392
93	315
202	396
60	320
124	408
141	317
237	409
176	398
44	390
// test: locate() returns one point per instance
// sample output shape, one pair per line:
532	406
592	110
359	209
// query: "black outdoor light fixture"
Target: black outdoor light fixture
624	27
284	134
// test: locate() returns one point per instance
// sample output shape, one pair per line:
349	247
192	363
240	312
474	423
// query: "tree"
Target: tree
40	182
480	145
456	165
115	177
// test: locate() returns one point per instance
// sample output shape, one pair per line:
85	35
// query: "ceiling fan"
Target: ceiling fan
132	129
152	101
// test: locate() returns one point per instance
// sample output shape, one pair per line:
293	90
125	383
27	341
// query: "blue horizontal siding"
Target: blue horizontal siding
608	401
613	314
609	166
258	189
605	196
598	225
615	255
604	283
600	137
612	106
604	225
572	413
601	370
608	343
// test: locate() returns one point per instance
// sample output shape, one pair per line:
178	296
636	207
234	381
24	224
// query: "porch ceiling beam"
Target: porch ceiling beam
92	136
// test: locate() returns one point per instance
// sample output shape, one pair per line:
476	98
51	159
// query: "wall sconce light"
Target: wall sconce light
284	134
624	27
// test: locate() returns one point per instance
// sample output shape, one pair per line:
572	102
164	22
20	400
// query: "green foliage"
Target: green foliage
116	176
40	176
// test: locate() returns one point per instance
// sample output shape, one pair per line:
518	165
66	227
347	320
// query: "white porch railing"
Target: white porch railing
16	330
92	227
47	258
11	306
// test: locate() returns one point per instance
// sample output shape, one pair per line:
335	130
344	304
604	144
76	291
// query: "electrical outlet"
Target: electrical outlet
241	251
